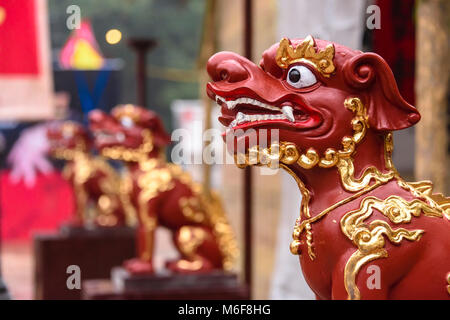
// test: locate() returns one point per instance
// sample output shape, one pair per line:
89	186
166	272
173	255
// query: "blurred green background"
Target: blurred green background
176	25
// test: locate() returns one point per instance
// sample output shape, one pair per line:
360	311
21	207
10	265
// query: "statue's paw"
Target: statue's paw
138	266
199	265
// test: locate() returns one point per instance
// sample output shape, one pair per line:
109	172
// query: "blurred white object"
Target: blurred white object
28	156
288	282
340	21
189	115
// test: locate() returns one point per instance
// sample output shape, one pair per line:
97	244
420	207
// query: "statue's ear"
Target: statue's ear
152	121
162	138
387	110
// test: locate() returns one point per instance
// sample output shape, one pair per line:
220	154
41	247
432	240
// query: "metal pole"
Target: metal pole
141	47
248	232
432	93
4	294
208	48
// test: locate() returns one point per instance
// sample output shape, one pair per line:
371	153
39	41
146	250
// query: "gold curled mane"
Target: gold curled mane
321	60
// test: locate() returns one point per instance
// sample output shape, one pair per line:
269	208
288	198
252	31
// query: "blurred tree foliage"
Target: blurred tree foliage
174	24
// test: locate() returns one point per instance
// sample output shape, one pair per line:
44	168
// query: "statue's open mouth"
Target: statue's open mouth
244	112
105	138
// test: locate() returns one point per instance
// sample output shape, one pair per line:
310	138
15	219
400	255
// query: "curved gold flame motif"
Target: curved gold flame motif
321	60
368	237
347	171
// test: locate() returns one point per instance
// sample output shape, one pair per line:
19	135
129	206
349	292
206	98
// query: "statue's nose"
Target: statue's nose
227	66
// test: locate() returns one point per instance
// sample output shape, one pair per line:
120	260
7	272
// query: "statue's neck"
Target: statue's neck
70	155
324	185
134	166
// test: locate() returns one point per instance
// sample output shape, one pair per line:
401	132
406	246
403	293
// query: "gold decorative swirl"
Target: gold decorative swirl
424	190
347	171
398	210
345	162
139	154
321	60
209	209
125	191
330	159
388	150
309	159
354	264
300	226
306	196
109	185
221	228
368	237
189	239
191	208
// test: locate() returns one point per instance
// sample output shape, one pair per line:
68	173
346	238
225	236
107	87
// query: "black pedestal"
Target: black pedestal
4	294
212	286
94	251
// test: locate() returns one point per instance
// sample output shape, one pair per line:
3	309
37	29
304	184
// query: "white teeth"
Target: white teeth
288	112
233	103
219	99
120	137
243	118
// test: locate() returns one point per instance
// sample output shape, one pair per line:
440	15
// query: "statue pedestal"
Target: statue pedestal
4	294
95	251
165	286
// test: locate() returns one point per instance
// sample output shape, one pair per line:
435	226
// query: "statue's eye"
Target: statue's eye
300	77
127	122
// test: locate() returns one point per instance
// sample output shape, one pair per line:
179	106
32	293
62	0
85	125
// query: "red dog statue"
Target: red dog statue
363	232
95	183
162	194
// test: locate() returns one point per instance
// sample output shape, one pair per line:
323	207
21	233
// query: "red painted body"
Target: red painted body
413	269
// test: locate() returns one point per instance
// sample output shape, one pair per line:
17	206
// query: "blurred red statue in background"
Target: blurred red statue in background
363	232
162	194
95	183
